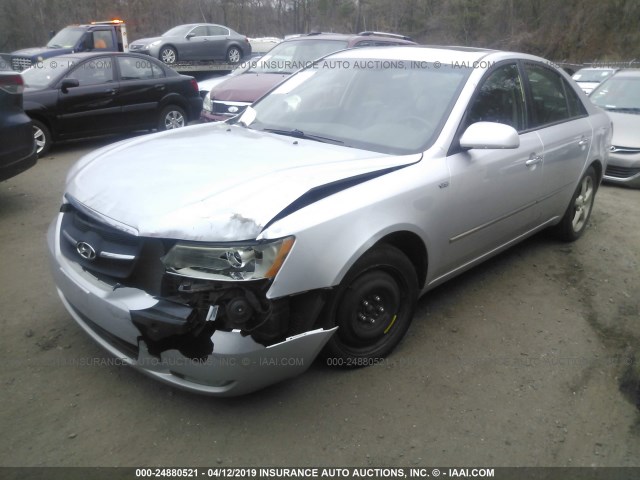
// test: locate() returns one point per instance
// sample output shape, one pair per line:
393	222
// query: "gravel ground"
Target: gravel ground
529	359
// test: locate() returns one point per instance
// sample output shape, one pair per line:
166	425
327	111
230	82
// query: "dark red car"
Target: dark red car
232	96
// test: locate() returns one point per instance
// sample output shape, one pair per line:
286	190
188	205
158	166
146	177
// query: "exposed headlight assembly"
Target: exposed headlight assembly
206	104
228	262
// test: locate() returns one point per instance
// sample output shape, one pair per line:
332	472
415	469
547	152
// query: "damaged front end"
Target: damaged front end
194	315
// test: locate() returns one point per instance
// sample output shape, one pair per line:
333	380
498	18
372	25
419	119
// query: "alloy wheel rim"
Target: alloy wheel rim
582	204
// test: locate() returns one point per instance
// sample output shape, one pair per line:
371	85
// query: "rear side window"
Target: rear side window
553	100
132	68
216	30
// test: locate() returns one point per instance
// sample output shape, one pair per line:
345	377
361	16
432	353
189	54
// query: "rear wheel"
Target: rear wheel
575	219
172	116
234	55
42	137
168	55
372	308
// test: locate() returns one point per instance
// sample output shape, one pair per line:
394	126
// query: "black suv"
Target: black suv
17	146
231	97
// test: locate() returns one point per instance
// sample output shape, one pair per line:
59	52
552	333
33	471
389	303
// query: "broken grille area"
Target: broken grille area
96	246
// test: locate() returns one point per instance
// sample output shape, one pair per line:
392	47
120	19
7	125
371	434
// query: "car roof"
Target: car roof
628	72
447	55
352	37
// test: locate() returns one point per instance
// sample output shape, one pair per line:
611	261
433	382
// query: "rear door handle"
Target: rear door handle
583	141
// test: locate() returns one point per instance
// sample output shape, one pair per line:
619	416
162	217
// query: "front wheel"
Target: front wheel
234	55
168	55
42	137
372	308
172	117
575	219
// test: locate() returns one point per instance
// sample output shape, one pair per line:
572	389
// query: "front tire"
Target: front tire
42	137
172	117
575	219
372	308
168	55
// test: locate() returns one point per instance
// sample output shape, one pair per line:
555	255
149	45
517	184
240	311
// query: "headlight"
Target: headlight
153	44
206	104
231	262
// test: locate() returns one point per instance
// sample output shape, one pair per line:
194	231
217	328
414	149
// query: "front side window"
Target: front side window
200	31
102	39
500	99
93	72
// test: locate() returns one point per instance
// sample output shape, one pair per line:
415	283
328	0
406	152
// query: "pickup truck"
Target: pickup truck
107	36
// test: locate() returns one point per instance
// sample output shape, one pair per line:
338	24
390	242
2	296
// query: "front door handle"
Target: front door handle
583	141
533	160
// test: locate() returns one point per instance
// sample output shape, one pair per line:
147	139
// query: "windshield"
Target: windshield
66	38
592	75
288	57
618	93
43	73
180	30
379	105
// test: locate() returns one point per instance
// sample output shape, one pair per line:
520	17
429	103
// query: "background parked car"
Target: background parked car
620	96
195	41
232	96
17	148
590	78
87	94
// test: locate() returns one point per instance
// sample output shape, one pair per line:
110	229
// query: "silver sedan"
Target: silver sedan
620	97
221	258
196	41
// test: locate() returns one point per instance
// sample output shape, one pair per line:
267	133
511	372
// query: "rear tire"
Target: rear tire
234	55
575	219
42	136
171	117
372	308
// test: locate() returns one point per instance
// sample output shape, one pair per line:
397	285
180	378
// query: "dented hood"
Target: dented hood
212	182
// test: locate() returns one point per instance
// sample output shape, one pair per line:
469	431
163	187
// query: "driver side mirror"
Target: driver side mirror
68	83
486	135
190	35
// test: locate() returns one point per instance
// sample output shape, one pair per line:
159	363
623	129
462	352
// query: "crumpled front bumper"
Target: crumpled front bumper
238	364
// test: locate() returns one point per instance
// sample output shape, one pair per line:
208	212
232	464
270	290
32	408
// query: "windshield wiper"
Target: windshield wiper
300	134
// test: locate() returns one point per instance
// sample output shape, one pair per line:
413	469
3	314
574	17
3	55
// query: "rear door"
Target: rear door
217	42
560	119
142	87
92	107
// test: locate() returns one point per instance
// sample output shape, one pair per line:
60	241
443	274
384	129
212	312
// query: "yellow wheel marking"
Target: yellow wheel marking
386	330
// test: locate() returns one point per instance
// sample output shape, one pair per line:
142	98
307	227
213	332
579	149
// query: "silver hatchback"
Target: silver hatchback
221	258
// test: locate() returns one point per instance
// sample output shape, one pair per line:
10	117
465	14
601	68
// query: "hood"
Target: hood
212	182
625	129
247	87
42	52
145	41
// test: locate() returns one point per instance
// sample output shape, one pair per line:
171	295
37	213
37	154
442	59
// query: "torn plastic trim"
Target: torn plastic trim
238	365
